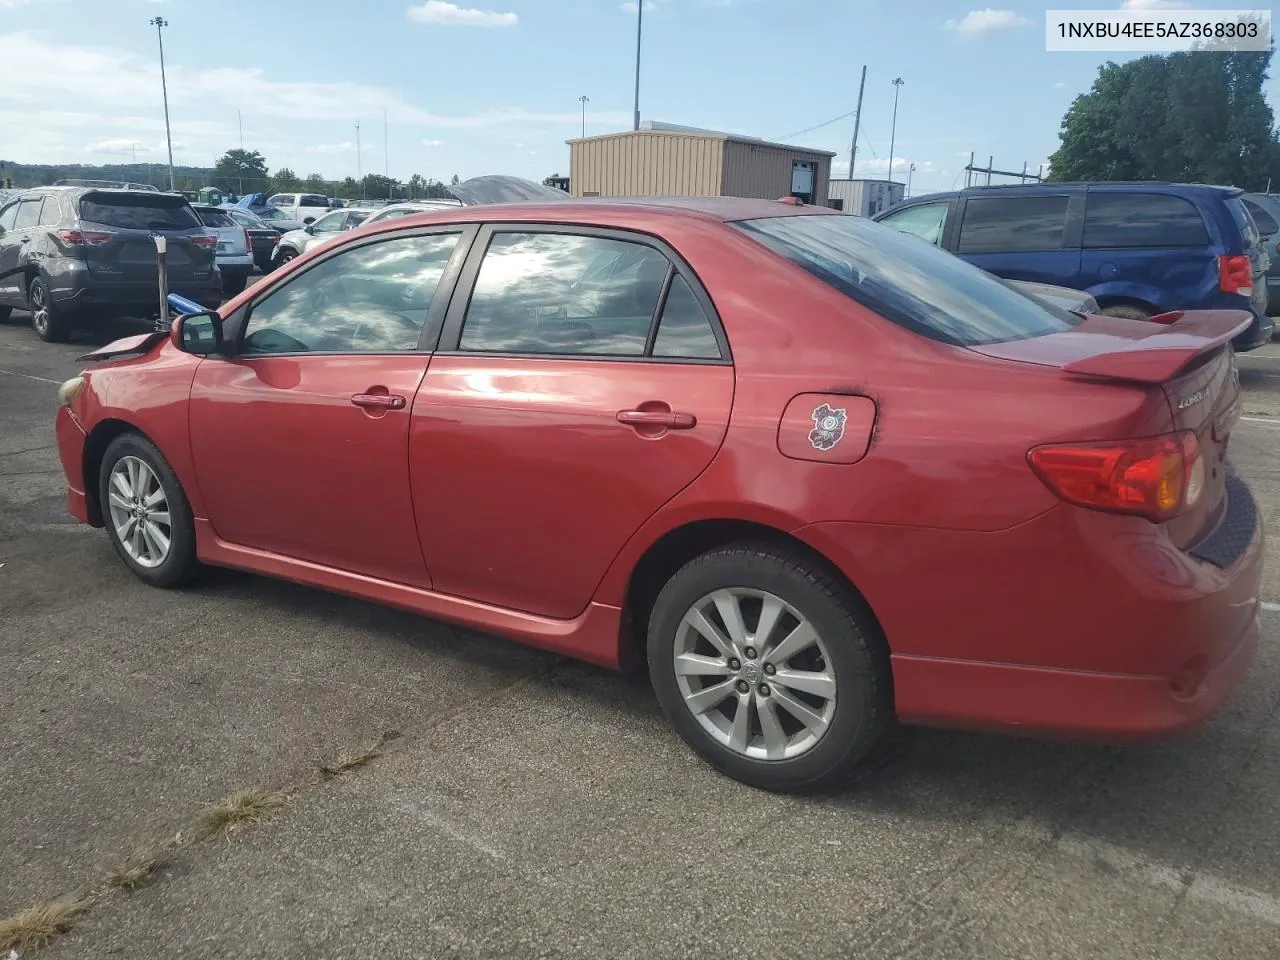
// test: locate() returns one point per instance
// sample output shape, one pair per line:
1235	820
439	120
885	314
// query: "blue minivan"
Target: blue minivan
1140	248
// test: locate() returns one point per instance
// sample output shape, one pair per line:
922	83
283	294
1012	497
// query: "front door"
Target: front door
301	439
582	385
16	223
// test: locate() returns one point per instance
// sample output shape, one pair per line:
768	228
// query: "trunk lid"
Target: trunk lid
1189	360
132	221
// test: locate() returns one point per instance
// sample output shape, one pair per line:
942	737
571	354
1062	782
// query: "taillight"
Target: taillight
85	238
248	241
1235	275
206	240
1156	477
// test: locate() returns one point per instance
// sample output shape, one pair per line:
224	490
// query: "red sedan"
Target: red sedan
817	473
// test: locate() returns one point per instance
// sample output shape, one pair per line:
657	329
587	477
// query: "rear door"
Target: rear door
127	225
582	384
1022	236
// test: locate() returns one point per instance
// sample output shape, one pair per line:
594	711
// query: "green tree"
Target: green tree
1198	117
316	183
377	187
349	189
244	171
285	180
417	186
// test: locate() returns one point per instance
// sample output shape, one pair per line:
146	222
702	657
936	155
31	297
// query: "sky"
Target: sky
493	86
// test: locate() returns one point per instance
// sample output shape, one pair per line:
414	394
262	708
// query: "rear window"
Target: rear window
215	218
135	212
907	280
1013	224
1142	220
1262	220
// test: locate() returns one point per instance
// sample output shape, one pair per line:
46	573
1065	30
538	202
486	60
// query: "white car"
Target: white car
297	242
303	207
235	250
392	211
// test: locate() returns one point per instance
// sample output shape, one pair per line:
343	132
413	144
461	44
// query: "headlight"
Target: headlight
70	390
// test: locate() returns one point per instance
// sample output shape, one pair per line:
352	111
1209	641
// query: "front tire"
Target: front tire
768	668
47	319
146	513
285	256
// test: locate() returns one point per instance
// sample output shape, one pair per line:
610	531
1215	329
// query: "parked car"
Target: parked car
406	207
262	236
735	455
273	216
297	242
1140	249
304	207
1064	298
235	249
77	255
1265	210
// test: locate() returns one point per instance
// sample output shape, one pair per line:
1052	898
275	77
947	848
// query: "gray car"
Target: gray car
1265	210
297	242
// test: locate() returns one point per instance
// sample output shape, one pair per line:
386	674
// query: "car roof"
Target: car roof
1128	186
593	210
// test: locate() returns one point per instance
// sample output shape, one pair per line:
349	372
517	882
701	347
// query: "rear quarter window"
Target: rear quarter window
137	212
1117	220
1013	224
1261	218
910	283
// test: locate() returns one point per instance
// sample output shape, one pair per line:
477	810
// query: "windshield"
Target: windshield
274	213
908	280
136	212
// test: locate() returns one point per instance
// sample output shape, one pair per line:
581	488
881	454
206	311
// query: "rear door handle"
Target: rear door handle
379	401
670	419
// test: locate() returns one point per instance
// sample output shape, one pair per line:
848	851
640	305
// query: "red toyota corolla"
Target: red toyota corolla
818	473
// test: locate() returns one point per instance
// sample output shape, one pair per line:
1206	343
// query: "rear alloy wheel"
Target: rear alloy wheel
286	256
768	668
48	321
147	515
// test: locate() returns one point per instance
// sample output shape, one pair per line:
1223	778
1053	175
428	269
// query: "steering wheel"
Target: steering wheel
273	341
404	322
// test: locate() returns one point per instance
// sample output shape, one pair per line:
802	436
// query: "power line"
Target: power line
825	123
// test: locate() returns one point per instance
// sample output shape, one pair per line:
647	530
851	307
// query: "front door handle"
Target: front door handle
668	419
379	401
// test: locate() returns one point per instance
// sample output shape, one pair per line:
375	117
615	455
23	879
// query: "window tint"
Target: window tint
561	293
1141	220
924	221
215	218
314	200
1265	222
1008	224
684	331
281	200
329	223
912	284
28	214
372	299
8	215
138	211
356	217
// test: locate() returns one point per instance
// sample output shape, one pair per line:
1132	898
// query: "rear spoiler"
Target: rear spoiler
1163	355
125	346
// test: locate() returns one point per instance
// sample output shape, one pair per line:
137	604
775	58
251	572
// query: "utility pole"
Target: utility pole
910	170
857	120
359	177
386	161
159	23
584	99
893	129
240	122
639	26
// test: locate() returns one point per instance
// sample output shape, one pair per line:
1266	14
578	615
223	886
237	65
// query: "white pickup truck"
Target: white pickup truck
303	207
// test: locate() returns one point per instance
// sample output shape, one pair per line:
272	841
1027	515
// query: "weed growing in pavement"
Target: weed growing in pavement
236	810
37	925
349	761
139	868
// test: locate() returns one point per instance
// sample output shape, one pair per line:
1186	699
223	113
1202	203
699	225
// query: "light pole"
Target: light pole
359	176
159	23
893	130
639	27
583	100
910	170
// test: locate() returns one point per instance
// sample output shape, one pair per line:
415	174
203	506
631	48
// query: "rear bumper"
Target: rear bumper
1074	623
71	437
233	263
73	287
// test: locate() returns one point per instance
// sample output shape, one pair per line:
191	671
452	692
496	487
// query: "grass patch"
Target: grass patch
138	869
36	926
239	809
349	761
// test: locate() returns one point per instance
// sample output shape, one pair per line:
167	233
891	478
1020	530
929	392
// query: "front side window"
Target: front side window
915	285
8	215
369	299
924	221
28	214
1141	220
329	223
281	200
559	293
1013	224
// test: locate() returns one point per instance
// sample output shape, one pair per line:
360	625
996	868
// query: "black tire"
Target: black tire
50	322
285	256
1127	310
856	652
233	283
4	314
180	565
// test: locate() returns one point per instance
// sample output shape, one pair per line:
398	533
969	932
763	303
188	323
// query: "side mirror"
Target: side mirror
310	227
199	334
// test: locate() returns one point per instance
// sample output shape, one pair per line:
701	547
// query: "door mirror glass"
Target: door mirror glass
309	228
200	333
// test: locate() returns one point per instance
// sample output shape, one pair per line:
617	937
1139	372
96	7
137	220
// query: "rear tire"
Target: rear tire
50	323
285	256
146	513
1127	310
4	314
234	283
771	708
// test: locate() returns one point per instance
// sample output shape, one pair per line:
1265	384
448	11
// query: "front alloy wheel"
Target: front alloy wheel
140	512
755	674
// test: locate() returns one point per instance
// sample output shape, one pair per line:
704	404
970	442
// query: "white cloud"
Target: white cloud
122	147
1059	85
649	5
432	143
347	146
977	24
442	14
508	115
1153	5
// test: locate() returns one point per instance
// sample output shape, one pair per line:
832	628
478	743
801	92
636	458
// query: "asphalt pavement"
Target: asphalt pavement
527	806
